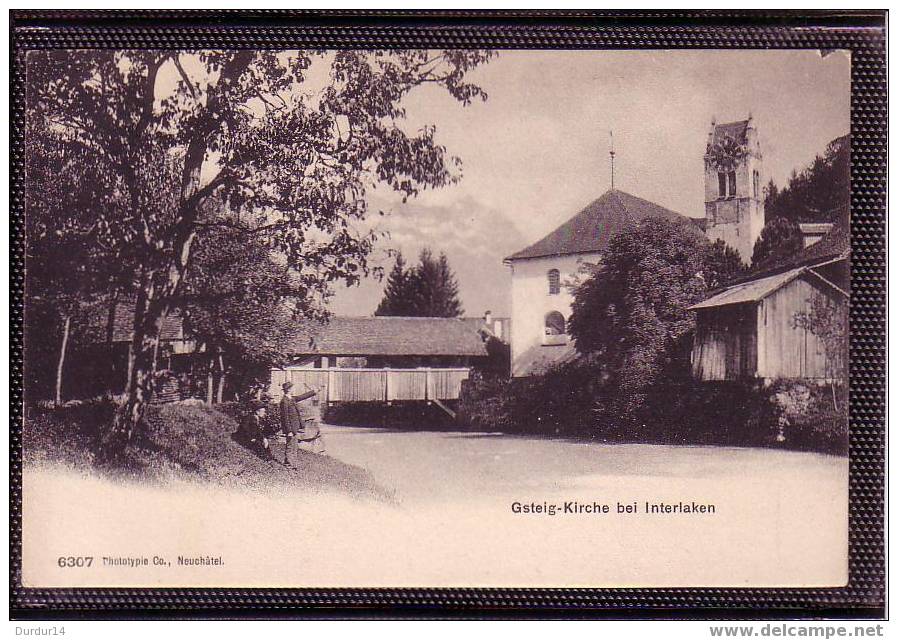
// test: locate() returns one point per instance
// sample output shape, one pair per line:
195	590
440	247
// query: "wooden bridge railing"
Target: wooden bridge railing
374	385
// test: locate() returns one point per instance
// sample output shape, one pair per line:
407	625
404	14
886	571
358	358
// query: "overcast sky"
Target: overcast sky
536	152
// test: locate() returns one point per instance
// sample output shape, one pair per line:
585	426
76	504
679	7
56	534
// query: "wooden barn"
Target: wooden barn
749	330
102	366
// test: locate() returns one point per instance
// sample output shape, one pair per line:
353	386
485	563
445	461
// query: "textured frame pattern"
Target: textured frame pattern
863	33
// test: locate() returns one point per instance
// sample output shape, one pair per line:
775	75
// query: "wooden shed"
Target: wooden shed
750	330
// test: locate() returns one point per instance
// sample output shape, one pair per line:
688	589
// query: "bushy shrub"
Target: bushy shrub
65	433
483	402
811	416
236	410
696	412
558	402
789	413
572	400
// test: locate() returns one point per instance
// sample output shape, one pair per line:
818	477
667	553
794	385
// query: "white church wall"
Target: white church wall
531	301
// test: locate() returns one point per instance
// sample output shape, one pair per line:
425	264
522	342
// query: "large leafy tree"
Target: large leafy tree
722	264
630	316
241	306
70	274
429	289
290	150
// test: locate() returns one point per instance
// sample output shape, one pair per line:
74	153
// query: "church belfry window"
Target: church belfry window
554	282
756	183
726	184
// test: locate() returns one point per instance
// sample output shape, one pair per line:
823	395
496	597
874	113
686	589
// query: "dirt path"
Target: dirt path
424	466
779	519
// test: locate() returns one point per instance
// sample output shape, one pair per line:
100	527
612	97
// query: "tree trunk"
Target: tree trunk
66	326
114	372
148	316
160	324
160	280
130	371
221	377
210	381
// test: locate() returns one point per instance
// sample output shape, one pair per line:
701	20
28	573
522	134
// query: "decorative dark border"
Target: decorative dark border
862	32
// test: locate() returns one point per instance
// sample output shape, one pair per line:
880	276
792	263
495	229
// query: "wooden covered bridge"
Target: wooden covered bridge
387	359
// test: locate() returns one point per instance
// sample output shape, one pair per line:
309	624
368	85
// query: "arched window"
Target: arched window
555	324
554	282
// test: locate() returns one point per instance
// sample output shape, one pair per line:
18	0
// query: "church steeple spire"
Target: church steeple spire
611	154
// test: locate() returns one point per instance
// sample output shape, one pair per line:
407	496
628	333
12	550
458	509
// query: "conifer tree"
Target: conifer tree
395	301
429	289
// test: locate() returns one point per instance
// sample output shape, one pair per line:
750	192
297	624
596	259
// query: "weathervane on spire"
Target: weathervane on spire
611	153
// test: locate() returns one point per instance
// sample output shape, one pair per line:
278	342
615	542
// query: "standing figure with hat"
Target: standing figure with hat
297	424
252	432
291	419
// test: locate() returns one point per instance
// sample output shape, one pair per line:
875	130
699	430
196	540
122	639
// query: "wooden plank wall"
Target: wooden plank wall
445	384
725	344
354	385
787	350
762	339
373	385
406	384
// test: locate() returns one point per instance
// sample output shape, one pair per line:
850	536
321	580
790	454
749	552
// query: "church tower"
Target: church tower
734	183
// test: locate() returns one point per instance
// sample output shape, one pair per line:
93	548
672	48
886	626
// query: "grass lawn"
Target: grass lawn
182	442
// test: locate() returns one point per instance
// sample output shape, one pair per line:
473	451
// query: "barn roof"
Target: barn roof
834	245
591	229
758	289
123	321
391	336
815	228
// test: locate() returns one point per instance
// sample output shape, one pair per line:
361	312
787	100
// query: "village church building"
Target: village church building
744	331
541	304
540	301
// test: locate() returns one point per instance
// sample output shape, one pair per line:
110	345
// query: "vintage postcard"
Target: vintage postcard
436	318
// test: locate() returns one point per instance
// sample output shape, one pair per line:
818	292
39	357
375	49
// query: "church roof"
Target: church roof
734	130
591	229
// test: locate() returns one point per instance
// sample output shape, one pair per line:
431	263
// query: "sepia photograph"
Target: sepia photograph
349	317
